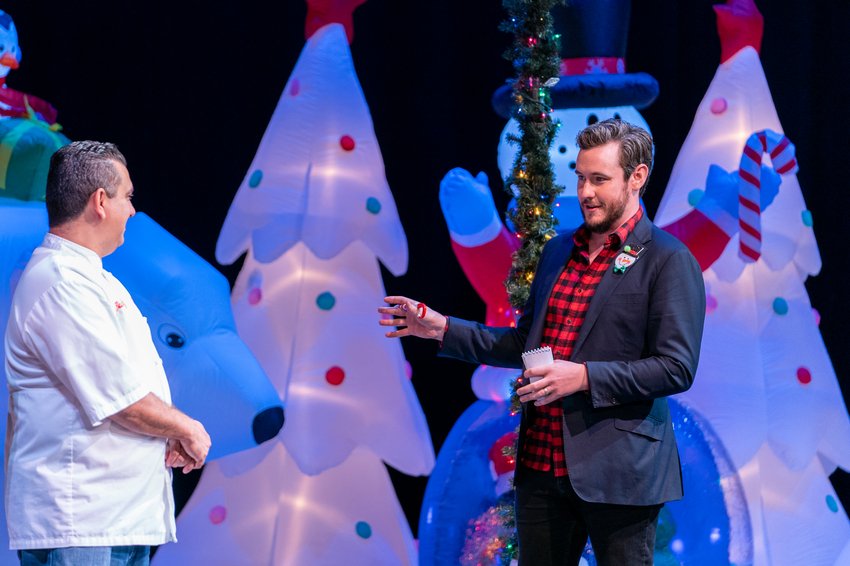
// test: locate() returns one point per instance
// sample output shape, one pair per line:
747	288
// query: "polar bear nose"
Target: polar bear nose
267	423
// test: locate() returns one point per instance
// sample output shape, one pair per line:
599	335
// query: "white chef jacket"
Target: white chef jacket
78	351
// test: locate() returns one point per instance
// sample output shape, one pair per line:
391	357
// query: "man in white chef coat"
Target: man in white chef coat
92	434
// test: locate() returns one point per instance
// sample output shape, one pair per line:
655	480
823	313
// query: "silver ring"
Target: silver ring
545	391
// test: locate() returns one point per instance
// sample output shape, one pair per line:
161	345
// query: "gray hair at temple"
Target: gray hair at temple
635	144
76	171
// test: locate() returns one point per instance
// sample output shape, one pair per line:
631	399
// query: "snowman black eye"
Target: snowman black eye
573	165
592	119
562	149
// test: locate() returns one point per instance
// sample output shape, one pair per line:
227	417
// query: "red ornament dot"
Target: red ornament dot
347	143
335	375
295	87
255	295
719	105
218	514
804	376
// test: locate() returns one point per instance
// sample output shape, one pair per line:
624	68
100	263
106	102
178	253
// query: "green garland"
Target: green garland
534	55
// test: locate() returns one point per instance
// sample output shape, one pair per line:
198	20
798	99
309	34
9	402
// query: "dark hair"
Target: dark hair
76	171
635	144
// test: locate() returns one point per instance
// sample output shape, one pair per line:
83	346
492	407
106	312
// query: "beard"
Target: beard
613	213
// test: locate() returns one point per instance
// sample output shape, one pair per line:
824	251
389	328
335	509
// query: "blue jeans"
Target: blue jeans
87	556
553	525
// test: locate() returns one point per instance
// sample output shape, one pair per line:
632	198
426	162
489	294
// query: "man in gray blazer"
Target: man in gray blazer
621	304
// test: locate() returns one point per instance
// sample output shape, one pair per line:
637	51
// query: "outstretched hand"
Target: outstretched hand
412	318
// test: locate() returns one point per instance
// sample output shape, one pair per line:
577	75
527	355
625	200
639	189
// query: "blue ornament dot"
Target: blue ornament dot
373	205
780	306
255	179
363	529
255	279
326	301
807	218
832	504
695	196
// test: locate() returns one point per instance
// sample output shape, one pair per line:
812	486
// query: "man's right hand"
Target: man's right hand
412	318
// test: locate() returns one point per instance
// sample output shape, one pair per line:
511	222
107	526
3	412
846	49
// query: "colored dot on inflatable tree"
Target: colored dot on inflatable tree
832	503
710	304
695	196
373	205
719	105
335	375
780	306
347	143
218	514
804	376
326	301
295	87
255	284
807	218
363	529
255	179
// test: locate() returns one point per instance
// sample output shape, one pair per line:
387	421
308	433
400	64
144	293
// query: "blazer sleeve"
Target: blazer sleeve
672	343
499	346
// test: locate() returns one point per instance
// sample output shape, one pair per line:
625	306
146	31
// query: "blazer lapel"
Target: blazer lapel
642	234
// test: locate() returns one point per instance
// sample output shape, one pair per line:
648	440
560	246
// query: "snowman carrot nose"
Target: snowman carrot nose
782	155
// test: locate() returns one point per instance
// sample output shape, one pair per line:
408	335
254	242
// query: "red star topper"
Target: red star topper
323	12
739	24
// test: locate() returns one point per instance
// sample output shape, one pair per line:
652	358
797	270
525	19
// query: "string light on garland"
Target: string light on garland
534	55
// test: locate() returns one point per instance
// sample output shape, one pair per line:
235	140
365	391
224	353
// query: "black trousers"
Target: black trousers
554	523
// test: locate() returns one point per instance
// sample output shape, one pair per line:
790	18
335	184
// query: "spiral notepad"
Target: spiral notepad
537	357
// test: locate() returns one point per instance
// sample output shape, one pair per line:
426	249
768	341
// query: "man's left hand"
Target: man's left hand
557	380
176	457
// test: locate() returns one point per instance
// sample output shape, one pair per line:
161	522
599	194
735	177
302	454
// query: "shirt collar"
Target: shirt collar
58	243
581	238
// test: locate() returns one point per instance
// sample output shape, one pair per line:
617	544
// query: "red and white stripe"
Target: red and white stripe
782	156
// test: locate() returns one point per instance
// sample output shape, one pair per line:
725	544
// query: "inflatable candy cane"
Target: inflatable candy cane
782	155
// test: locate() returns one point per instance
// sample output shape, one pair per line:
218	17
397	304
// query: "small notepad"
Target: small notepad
536	358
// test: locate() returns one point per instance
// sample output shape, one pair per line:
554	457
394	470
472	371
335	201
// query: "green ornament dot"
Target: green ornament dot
255	179
373	205
695	196
627	249
832	504
363	529
807	218
326	301
780	306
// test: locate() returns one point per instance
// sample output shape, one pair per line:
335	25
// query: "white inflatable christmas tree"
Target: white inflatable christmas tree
765	381
315	215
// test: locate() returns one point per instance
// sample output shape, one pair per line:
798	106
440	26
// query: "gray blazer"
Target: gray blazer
640	340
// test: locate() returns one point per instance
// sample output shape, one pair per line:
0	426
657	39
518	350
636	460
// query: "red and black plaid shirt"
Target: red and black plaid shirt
543	445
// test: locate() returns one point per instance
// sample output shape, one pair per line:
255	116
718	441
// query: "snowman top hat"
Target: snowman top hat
593	73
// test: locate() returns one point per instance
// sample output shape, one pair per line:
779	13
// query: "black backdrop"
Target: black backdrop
186	90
